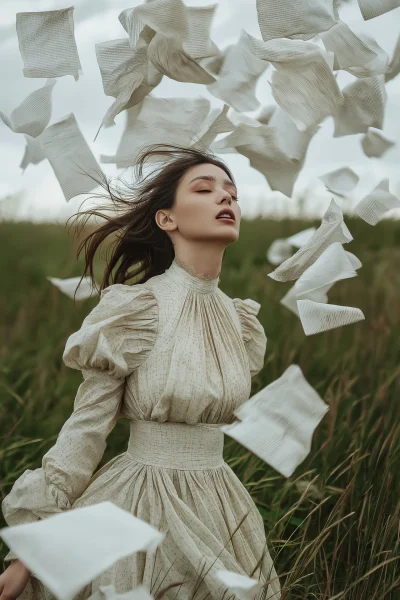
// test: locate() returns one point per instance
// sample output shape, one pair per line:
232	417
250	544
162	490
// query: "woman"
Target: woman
174	355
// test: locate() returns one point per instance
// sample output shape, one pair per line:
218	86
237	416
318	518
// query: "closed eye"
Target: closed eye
200	191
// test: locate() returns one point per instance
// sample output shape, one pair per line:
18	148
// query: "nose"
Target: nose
226	196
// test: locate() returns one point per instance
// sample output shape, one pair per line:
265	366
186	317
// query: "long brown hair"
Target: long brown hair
140	245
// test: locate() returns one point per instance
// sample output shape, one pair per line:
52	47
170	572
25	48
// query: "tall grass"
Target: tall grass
333	526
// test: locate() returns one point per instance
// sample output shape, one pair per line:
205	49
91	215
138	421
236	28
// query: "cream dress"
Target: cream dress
174	355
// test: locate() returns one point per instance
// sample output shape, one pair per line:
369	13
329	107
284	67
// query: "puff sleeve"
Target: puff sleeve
253	333
114	340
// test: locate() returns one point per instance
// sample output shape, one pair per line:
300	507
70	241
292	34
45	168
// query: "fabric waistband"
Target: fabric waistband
177	445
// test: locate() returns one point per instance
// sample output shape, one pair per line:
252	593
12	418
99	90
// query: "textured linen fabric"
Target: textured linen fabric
174	355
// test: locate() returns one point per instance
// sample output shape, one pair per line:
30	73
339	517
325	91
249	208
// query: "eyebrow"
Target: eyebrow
211	178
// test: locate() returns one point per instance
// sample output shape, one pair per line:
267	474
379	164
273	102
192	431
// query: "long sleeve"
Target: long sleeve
114	339
253	333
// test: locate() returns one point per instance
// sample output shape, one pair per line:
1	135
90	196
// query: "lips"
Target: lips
226	211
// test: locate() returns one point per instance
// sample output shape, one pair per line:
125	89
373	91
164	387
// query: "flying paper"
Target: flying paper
372	208
375	144
341	181
68	287
34	113
70	157
47	43
372	8
33	154
394	65
279	251
93	538
332	229
317	317
363	106
277	423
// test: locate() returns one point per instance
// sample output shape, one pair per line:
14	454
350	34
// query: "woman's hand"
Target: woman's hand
14	580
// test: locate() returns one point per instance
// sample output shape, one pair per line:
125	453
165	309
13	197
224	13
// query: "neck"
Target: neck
197	268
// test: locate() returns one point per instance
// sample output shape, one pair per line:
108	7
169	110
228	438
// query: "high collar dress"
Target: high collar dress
174	355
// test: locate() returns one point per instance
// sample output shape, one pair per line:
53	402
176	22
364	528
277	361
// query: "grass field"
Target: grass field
337	539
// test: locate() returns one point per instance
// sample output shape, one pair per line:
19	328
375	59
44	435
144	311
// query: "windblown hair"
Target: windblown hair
140	246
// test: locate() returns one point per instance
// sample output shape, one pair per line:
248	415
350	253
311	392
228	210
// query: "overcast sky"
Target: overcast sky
42	198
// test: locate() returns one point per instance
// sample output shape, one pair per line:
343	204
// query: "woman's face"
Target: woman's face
201	194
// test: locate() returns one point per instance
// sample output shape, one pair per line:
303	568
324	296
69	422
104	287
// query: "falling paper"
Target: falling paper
245	588
394	65
68	287
299	239
69	155
33	154
334	264
303	18
373	8
34	113
172	120
47	43
237	79
277	423
341	181
359	55
216	122
317	317
332	229
127	75
265	114
93	538
279	251
375	144
372	208
363	106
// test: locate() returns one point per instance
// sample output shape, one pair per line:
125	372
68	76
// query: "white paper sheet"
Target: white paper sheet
171	120
360	55
93	538
363	106
375	144
33	153
332	229
303	18
238	76
374	8
317	317
216	122
340	181
279	251
70	157
299	239
34	113
47	43
373	207
244	588
69	286
277	423
394	65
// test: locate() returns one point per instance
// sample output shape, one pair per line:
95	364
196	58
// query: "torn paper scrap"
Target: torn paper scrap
374	8
373	207
34	113
317	317
277	423
286	18
394	65
363	106
266	113
127	75
172	120
236	81
360	54
93	538
69	287
299	239
47	43
33	154
279	251
375	144
340	181
332	229
72	160
244	587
